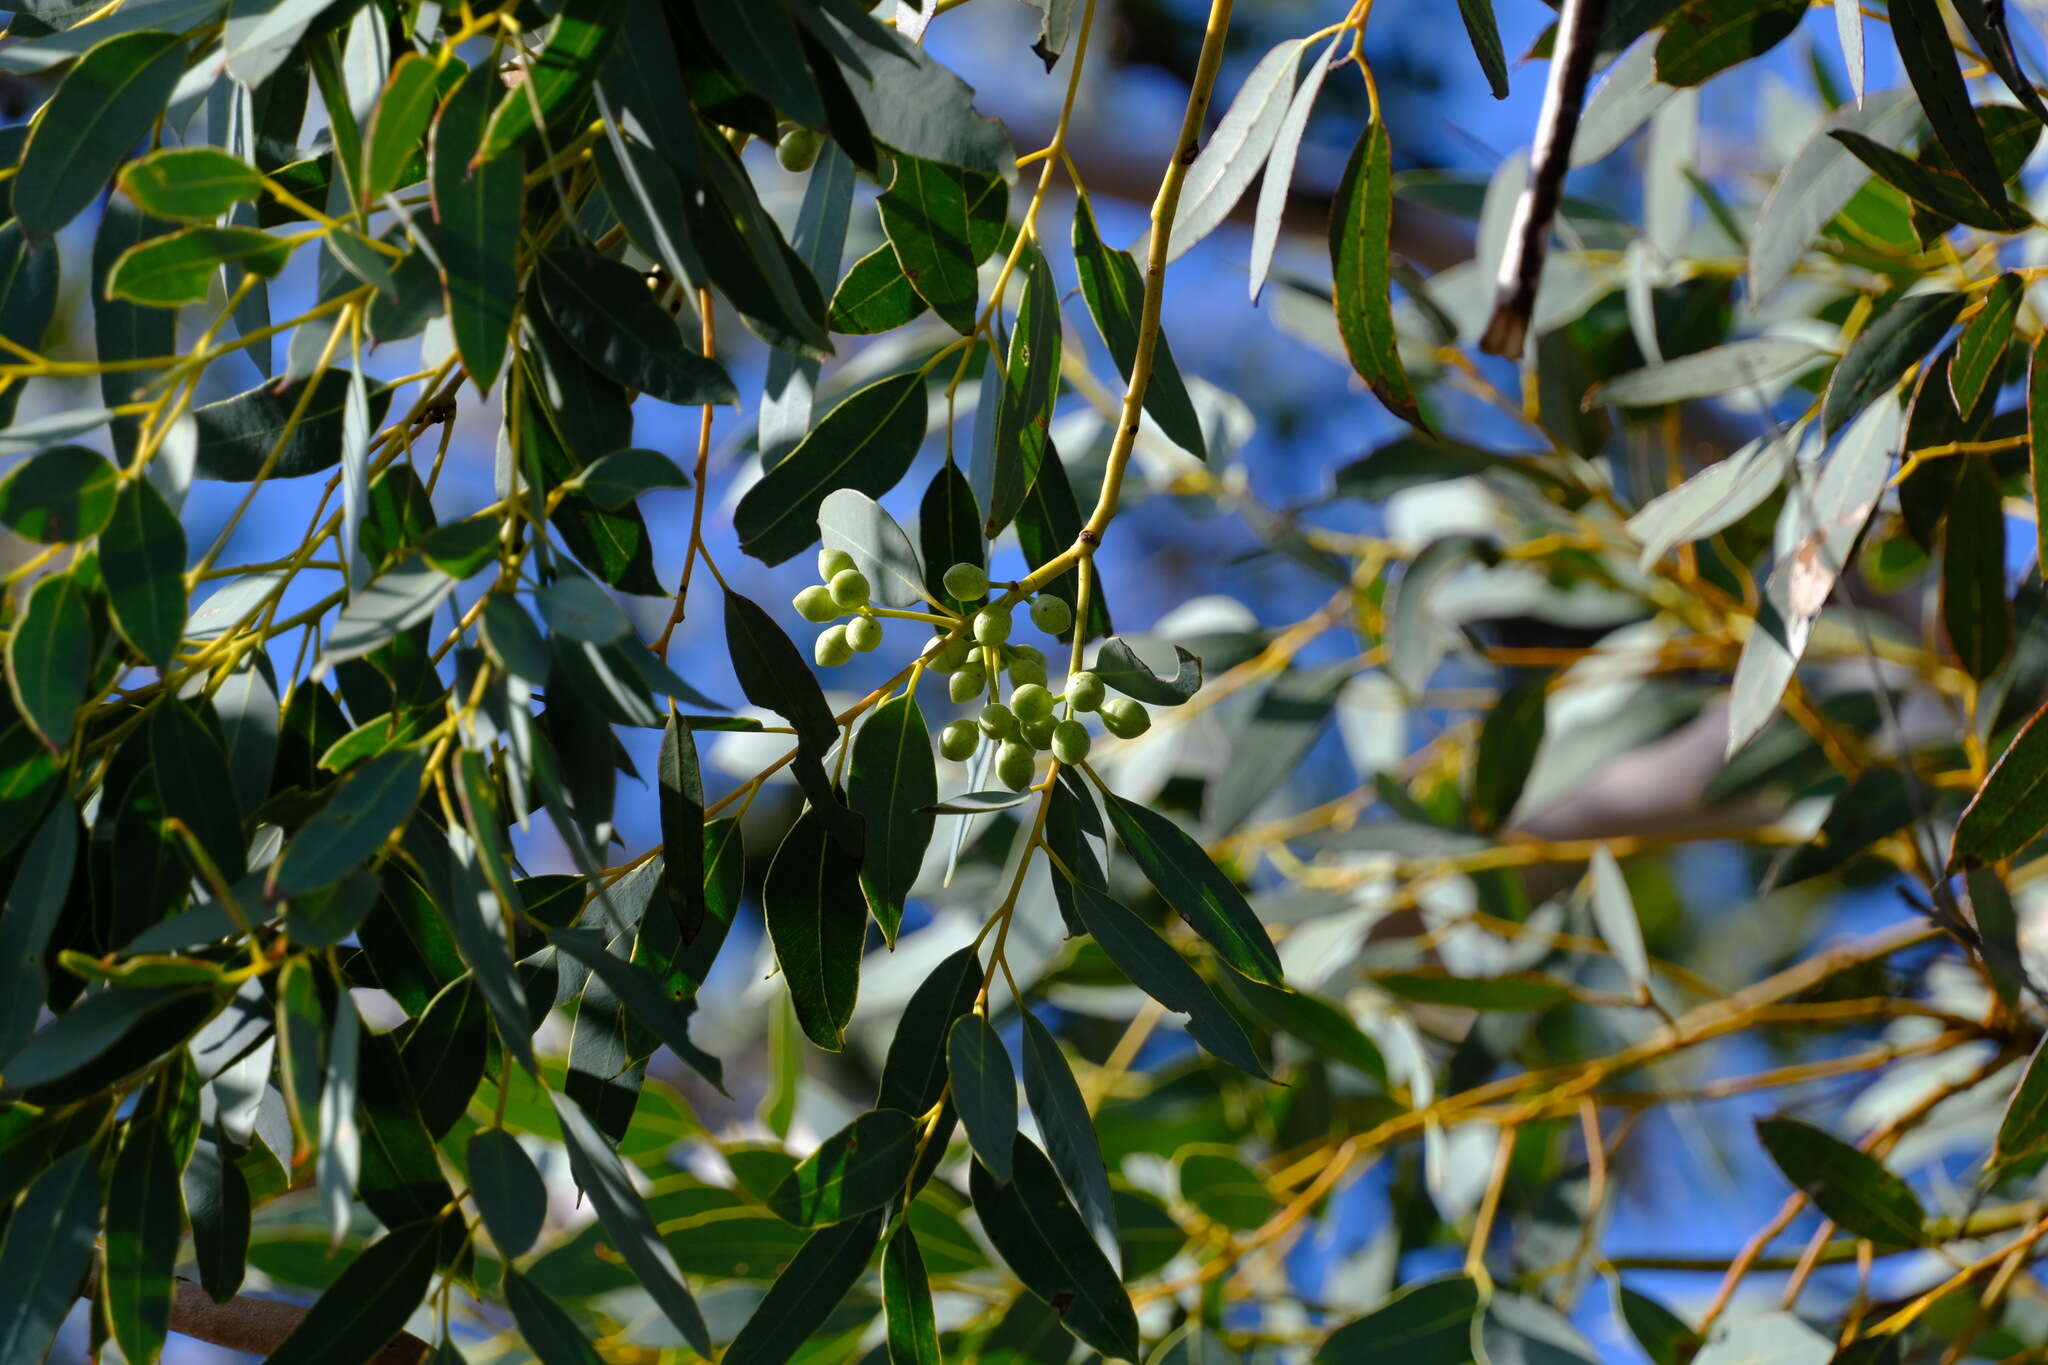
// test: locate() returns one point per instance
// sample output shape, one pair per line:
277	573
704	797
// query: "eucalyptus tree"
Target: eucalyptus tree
1367	962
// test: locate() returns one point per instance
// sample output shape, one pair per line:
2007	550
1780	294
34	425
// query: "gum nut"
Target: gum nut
1026	665
951	655
864	633
815	604
1084	691
1038	733
1052	614
1124	718
1016	765
832	649
831	562
965	685
998	721
1031	702
1070	742
798	150
959	740
965	581
991	627
849	589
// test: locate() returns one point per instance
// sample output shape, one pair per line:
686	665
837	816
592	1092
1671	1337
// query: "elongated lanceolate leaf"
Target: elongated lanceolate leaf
1360	221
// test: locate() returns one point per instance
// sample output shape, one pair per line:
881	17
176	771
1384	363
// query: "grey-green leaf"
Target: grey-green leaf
984	1090
508	1189
104	106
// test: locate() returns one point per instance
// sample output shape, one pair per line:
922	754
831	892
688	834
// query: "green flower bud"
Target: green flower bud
1125	718
991	627
1052	614
966	685
831	562
1031	702
798	150
864	633
1070	742
959	740
998	721
815	604
832	649
965	581
1038	733
849	589
1026	664
1016	765
950	656
1084	691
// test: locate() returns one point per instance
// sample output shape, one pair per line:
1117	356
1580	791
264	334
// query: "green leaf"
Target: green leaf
622	476
866	443
1512	991
761	45
49	657
1773	1339
681	800
1156	969
1890	346
1115	292
29	278
1737	367
1974	611
403	596
1931	66
102	108
603	308
1235	152
167	271
1119	666
602	1176
1031	384
553	1335
1705	37
35	902
367	807
404	109
876	296
2011	808
1508	740
142	561
368	1303
1820	180
1845	1183
1223	1188
1429	1323
1278	179
1484	35
984	1091
1980	354
478	207
575	607
1199	891
913	1331
1069	1132
145	1217
1314	1021
217	1201
1360	220
44	1255
444	1053
804	1295
509	1193
980	803
1992	33
1661	1333
59	496
818	925
861	1167
643	997
1943	191
1047	525
854	522
890	784
941	223
914	1073
1715	498
238	435
193	184
773	675
917	106
1614	915
556	81
196	786
1042	1239
2037	440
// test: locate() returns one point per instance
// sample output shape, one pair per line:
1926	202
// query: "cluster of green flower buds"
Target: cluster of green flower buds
844	591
